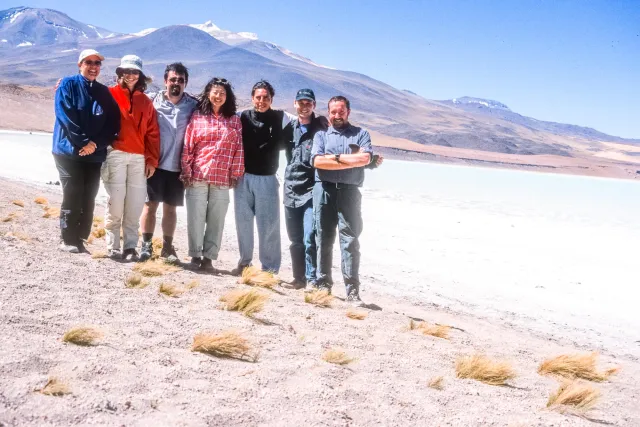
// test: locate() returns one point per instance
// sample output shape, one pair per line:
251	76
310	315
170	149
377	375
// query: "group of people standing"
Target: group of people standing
153	148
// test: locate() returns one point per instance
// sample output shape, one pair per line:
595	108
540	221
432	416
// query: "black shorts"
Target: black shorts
165	186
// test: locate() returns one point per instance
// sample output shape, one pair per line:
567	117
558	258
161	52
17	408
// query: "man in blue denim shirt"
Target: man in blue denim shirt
340	156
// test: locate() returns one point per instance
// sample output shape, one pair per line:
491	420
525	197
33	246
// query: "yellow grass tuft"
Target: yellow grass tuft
55	387
97	221
154	268
98	232
135	281
98	254
18	203
20	235
227	344
192	284
481	368
572	366
82	335
41	201
439	331
171	289
253	276
319	298
10	217
246	301
356	314
337	357
579	395
50	212
437	383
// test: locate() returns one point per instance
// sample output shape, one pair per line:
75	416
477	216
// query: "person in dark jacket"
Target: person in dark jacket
299	179
87	122
256	193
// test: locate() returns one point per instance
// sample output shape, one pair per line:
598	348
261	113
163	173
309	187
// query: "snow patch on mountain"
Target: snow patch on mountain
25	44
467	100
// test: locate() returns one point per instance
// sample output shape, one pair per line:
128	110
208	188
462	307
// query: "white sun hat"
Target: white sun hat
87	53
130	62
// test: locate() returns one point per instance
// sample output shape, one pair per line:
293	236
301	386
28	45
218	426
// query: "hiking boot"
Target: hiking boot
195	262
68	248
146	251
169	255
315	286
295	284
239	269
207	265
132	252
354	299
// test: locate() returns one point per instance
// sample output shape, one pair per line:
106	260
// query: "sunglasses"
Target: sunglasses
130	71
217	80
179	80
91	63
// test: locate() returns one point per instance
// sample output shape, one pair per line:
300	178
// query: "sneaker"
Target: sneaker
315	286
114	254
68	248
82	249
354	299
238	270
207	265
132	252
146	251
169	254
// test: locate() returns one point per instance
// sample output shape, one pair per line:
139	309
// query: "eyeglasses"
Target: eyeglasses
91	63
217	80
179	80
131	71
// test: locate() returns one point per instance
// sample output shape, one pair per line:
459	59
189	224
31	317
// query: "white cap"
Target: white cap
130	62
87	53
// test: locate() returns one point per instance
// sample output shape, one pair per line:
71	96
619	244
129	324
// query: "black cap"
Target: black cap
306	94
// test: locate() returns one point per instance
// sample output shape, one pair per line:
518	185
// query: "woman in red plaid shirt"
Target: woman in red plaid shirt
212	162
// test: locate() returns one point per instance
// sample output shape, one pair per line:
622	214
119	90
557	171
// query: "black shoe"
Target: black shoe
239	269
354	298
315	286
207	265
82	249
132	252
195	262
169	255
296	284
114	254
146	251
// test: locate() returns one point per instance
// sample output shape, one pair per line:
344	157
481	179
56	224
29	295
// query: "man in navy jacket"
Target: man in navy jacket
87	122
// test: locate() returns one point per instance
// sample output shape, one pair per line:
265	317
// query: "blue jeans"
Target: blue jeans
338	207
258	196
300	229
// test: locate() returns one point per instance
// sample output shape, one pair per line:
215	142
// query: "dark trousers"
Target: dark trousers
300	229
338	207
80	183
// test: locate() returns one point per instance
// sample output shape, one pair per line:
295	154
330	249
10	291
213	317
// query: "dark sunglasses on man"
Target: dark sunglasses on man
92	63
179	80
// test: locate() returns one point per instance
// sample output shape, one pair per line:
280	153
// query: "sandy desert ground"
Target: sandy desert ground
143	373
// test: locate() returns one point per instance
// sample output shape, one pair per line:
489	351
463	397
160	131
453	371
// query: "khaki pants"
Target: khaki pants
206	210
126	184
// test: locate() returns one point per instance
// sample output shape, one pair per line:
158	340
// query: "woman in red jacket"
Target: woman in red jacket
132	159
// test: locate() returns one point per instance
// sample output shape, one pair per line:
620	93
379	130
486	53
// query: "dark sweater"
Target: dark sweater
262	141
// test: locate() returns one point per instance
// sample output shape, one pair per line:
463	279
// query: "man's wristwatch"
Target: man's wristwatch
337	157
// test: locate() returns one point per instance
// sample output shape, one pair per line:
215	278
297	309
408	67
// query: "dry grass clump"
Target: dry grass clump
246	301
98	232
439	331
437	383
99	254
337	357
82	335
171	289
356	314
572	366
10	217
253	276
319	298
55	387
41	201
135	281
579	395
20	235
154	268
18	203
50	212
227	344
481	368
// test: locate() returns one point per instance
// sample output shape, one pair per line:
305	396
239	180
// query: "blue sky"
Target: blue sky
568	61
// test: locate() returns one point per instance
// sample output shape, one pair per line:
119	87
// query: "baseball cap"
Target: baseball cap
306	94
130	62
87	53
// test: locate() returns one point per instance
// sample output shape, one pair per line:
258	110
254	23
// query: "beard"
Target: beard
175	90
339	123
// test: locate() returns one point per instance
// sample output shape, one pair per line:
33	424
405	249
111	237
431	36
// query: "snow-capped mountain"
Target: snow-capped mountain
478	102
28	26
